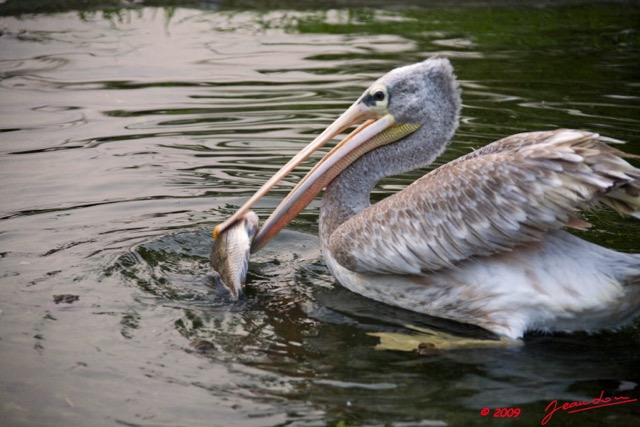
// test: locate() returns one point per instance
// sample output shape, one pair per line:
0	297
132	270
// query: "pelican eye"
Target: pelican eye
377	97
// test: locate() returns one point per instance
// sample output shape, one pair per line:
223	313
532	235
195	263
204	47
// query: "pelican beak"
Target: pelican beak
379	128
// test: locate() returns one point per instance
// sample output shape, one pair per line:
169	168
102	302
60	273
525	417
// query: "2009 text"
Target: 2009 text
501	412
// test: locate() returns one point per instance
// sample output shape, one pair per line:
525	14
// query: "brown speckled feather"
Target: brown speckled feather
503	195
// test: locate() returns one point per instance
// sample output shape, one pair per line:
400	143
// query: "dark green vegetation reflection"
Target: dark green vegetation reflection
178	142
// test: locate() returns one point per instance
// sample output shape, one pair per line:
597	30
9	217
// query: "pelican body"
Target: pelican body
481	240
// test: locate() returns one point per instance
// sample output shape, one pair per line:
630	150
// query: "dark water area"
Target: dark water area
126	134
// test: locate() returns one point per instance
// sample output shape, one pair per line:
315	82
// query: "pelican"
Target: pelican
481	240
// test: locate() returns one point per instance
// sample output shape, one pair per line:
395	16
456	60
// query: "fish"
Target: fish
230	254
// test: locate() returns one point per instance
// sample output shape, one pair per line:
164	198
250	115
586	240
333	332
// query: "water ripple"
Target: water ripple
127	134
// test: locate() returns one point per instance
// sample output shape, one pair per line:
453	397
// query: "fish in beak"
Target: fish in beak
377	128
230	254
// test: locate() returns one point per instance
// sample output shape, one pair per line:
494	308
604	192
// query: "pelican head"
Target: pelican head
406	119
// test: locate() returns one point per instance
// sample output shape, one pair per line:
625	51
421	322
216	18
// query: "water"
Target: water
127	134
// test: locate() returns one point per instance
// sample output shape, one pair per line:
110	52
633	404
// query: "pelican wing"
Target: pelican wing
506	194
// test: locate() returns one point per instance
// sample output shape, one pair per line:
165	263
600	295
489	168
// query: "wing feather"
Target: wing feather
496	198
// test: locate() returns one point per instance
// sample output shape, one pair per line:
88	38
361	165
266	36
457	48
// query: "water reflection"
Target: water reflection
127	135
